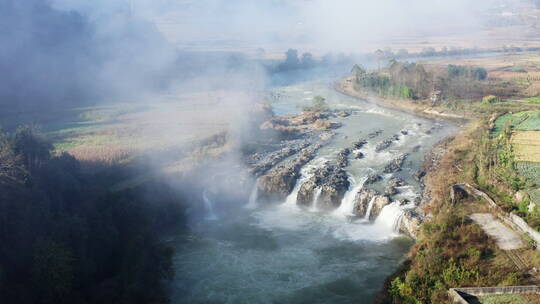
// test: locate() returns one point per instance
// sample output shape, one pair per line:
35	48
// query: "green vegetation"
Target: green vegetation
529	170
476	73
521	121
453	251
416	81
318	105
65	237
505	299
533	99
490	99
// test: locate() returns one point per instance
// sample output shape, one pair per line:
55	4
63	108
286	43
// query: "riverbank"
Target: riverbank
346	86
452	250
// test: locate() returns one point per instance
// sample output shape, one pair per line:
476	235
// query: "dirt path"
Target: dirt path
506	238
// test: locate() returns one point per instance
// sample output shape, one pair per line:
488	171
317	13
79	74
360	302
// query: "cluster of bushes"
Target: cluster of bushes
318	105
476	73
66	237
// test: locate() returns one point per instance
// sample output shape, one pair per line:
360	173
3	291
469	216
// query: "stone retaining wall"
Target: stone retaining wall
459	294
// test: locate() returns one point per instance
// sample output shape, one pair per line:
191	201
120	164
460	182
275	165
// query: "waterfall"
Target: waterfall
253	196
316	196
305	174
347	203
291	198
370	206
390	217
210	215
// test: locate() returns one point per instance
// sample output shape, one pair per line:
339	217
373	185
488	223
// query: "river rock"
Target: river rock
362	200
333	189
265	162
396	164
392	185
375	134
280	180
359	155
383	145
343	158
378	204
359	144
372	179
306	193
343	114
334	183
411	223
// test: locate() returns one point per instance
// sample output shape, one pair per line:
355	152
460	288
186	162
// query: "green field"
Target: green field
533	99
522	121
529	170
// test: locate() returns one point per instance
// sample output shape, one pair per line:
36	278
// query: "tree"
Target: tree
52	272
379	54
318	104
358	71
307	60
403	53
10	165
33	149
291	59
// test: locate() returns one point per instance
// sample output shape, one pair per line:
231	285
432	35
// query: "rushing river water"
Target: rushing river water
283	254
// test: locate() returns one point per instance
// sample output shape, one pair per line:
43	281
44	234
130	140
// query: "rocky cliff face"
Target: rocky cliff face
280	180
366	196
332	180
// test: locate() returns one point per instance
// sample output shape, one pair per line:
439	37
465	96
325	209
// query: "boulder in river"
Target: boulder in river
372	179
411	223
277	183
392	185
378	204
396	164
333	183
362	200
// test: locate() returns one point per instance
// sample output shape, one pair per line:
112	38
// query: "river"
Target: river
283	254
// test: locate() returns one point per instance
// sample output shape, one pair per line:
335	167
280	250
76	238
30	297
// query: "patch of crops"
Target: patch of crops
501	122
533	99
523	121
526	145
532	123
535	196
529	170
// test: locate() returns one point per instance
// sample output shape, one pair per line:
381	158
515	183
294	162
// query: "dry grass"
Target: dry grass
526	145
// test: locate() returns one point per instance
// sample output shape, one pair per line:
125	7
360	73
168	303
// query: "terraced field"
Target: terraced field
527	146
522	121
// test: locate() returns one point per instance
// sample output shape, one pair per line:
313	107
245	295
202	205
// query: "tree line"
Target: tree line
418	81
66	237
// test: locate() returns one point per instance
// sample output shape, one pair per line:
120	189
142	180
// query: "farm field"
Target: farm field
118	131
526	146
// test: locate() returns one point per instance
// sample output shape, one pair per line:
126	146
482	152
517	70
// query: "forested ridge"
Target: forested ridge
65	237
